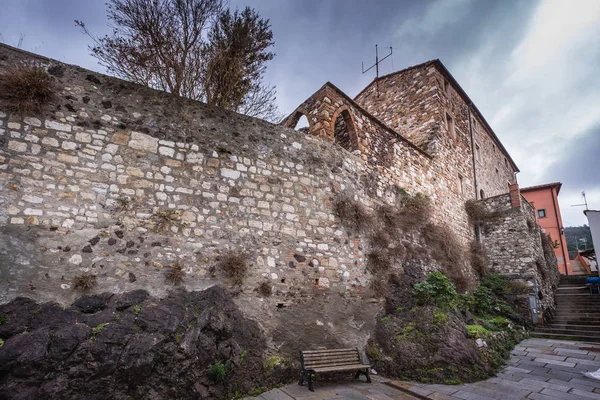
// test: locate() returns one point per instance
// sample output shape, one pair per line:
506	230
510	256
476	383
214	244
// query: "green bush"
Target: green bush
217	371
440	318
466	302
487	302
436	289
477	331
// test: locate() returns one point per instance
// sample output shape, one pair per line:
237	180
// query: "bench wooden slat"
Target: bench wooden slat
335	357
354	360
342	368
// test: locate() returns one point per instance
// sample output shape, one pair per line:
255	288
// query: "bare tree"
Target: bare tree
191	48
236	54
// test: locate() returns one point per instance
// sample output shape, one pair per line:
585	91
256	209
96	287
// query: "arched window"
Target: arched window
481	194
299	122
344	132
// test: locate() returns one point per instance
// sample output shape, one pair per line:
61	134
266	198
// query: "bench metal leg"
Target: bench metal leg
310	383
367	375
301	382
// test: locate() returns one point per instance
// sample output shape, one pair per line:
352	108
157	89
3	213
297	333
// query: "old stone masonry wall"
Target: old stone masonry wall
122	181
512	241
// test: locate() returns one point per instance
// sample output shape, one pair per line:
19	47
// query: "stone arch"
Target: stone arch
295	117
343	129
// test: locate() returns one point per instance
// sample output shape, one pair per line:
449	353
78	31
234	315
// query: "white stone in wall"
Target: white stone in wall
57	126
69	145
141	141
32	211
14	125
166	151
229	173
75	259
17	146
48	141
33	199
83	137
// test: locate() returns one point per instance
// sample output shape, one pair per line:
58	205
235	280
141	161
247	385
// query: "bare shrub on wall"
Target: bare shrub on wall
85	282
478	258
174	275
234	265
353	215
414	211
476	211
26	89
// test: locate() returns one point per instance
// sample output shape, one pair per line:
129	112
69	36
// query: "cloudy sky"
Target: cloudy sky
532	66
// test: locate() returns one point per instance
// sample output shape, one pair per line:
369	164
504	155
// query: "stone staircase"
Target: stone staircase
577	314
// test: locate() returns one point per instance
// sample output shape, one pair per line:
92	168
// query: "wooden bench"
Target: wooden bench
331	360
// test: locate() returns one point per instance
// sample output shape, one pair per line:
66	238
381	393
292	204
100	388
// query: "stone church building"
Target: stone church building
416	129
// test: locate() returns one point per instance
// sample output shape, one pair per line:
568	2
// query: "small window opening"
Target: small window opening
497	171
494	147
282	280
542	213
343	131
302	125
450	125
505	162
446	87
477	153
481	194
317	282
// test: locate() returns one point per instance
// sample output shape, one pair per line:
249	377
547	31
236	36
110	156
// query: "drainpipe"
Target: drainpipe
562	248
477	228
473	152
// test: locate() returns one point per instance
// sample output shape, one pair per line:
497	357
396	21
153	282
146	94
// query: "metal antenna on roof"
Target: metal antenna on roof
376	65
584	202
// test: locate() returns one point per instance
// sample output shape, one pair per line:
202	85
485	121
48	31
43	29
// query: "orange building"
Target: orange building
544	198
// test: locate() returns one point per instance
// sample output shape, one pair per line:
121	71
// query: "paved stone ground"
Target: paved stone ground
351	390
539	369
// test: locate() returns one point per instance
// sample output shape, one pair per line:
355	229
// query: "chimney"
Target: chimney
515	195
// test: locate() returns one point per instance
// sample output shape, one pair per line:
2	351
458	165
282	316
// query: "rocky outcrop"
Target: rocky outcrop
129	346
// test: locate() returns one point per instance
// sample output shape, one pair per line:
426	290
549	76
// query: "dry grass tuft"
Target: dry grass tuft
353	215
414	211
379	285
26	89
84	282
478	258
174	275
234	266
378	262
265	289
476	211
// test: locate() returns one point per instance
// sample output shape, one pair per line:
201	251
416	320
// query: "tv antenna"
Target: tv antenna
376	65
584	202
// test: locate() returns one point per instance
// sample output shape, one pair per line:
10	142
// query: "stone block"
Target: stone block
143	142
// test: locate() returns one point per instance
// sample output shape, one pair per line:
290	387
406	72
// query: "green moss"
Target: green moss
98	328
3	319
400	309
452	382
440	318
373	352
477	331
1	342
385	319
272	361
243	356
178	338
217	371
137	309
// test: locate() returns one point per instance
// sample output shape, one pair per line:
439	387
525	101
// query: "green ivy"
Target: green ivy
437	289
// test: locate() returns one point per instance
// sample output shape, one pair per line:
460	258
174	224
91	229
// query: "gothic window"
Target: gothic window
344	132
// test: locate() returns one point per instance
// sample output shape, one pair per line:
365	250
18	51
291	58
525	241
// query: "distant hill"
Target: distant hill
578	238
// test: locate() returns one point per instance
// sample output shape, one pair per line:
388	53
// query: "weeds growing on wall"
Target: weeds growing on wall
174	275
234	265
84	282
26	89
478	258
476	211
353	215
164	219
265	289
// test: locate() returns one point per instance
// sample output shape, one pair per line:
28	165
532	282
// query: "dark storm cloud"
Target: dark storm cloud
531	66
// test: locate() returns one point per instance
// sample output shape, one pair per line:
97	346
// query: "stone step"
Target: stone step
574	332
560	336
574	320
577	327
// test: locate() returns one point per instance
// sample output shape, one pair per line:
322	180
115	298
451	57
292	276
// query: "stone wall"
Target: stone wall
88	185
511	238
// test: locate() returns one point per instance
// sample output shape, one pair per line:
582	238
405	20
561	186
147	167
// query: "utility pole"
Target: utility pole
584	202
376	65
